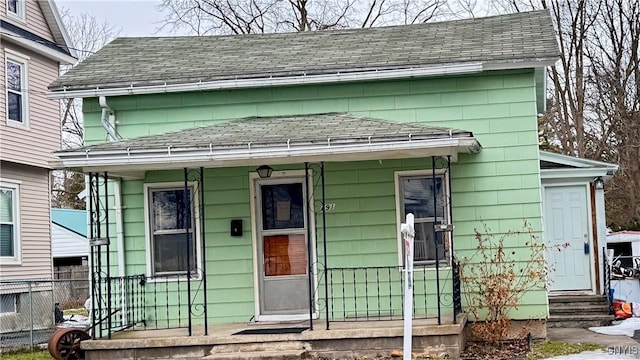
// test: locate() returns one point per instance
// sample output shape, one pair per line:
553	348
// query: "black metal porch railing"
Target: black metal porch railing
141	302
128	298
376	293
354	294
607	279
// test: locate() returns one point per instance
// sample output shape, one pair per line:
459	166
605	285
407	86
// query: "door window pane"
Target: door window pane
285	255
282	206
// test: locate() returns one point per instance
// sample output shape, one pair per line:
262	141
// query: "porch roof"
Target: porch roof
273	140
558	166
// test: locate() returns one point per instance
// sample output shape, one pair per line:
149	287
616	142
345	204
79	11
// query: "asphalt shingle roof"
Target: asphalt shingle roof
513	38
256	132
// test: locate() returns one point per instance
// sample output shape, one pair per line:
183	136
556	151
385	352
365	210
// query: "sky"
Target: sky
132	17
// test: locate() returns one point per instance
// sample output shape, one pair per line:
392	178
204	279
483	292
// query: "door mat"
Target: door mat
270	331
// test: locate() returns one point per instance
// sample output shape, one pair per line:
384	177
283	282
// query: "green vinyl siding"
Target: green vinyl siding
499	186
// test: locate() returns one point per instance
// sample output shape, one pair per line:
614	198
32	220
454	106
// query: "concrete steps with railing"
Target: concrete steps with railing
581	311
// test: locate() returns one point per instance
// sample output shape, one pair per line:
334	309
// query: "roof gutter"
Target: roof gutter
465	68
169	155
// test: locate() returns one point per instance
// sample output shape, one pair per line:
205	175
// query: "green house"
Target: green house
266	177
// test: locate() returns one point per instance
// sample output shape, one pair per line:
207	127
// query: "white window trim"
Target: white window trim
21	11
16	259
399	220
23	60
149	234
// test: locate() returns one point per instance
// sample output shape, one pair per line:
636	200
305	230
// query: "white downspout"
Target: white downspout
108	121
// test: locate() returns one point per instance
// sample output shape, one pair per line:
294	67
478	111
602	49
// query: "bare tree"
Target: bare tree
593	108
614	56
205	17
87	36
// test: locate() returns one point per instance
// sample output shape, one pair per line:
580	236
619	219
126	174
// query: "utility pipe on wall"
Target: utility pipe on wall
108	121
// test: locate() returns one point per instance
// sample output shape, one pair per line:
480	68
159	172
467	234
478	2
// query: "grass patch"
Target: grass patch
27	355
80	311
549	349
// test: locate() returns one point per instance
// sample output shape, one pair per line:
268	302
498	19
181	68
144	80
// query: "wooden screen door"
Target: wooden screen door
282	246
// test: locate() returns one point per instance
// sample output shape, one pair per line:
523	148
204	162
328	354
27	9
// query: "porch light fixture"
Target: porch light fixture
598	183
264	171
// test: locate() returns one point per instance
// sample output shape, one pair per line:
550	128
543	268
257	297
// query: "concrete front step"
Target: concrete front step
582	299
579	320
580	311
268	350
578	308
258	355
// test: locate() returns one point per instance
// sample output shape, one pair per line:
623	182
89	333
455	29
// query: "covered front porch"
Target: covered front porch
345	340
188	238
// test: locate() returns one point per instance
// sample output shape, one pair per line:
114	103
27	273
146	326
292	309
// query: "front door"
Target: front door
566	220
283	277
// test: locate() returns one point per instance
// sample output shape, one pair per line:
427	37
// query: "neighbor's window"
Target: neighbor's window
17	96
623	249
9	222
16	9
417	194
169	224
8	303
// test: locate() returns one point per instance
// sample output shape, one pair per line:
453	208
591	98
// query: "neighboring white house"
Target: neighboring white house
69	244
626	245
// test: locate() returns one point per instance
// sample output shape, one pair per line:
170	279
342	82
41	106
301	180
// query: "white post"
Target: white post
408	234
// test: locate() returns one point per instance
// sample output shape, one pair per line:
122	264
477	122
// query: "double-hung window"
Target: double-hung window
9	223
172	231
16	9
16	88
425	197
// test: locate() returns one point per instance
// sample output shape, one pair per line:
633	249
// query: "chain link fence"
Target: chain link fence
30	310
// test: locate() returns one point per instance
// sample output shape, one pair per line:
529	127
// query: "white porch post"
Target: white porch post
408	234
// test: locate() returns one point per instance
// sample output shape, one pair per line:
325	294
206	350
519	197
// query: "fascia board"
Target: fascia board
436	70
63	30
36	47
577	173
446	69
575	162
168	155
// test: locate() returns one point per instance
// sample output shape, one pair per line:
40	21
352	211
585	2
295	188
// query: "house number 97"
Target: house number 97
329	207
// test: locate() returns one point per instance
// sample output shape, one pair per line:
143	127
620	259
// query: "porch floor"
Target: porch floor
346	339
